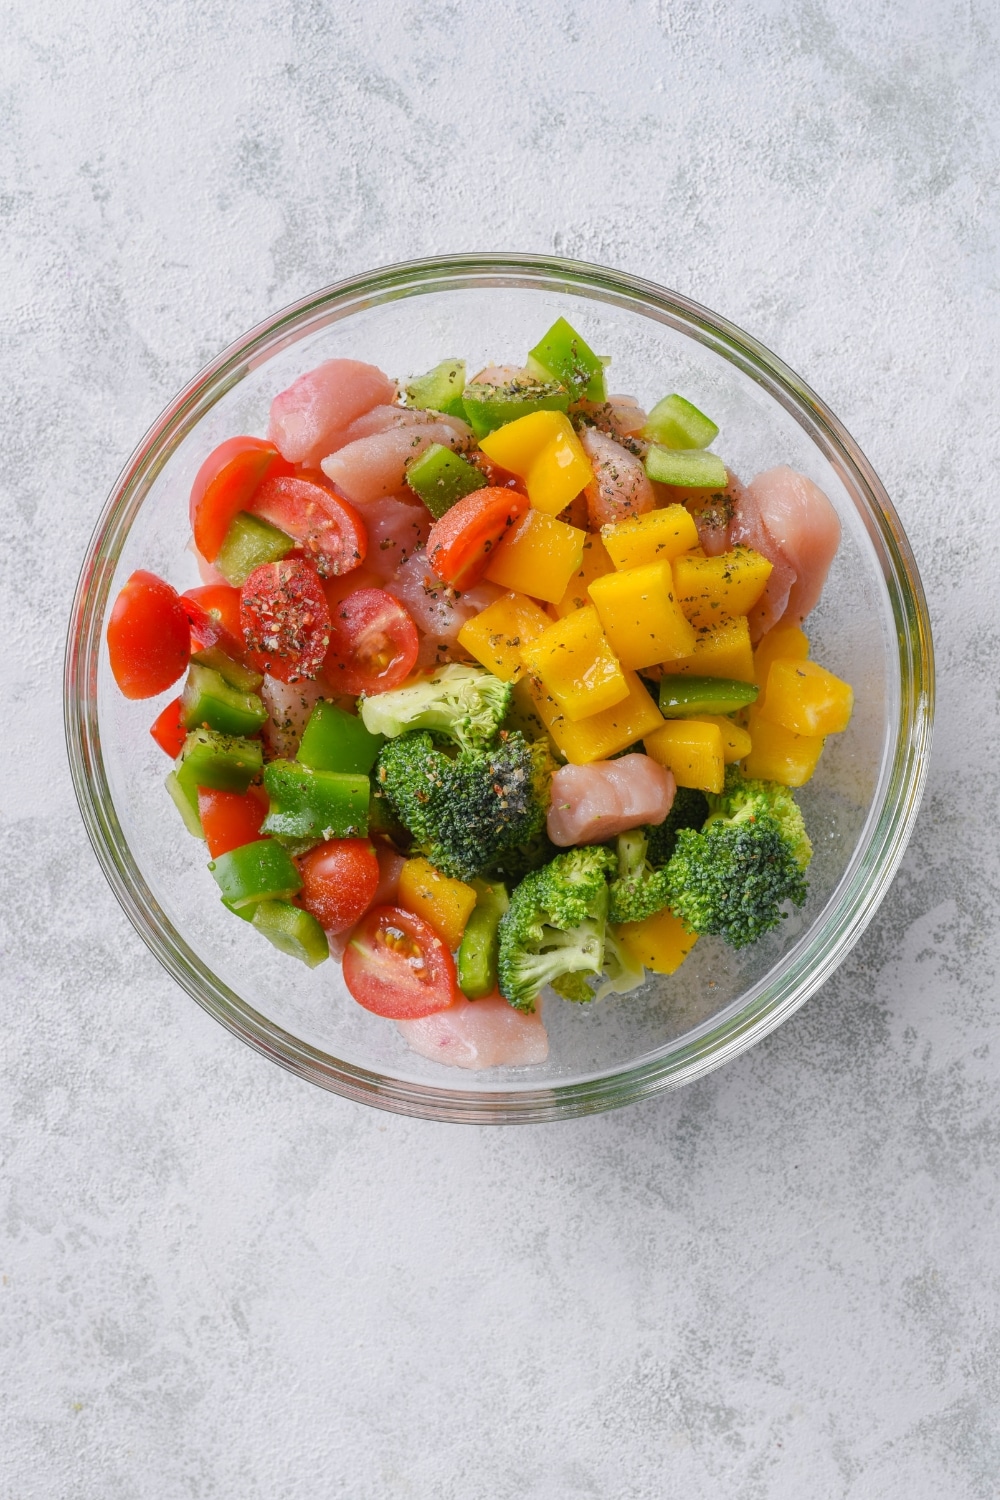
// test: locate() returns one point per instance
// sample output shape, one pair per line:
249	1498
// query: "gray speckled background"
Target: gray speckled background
218	1282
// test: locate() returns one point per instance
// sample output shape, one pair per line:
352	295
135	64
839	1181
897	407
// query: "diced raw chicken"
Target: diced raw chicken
289	705
384	418
376	466
788	518
308	418
618	416
592	803
620	487
479	1034
396	529
437	611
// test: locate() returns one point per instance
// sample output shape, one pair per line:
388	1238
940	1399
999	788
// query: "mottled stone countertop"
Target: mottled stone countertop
218	1282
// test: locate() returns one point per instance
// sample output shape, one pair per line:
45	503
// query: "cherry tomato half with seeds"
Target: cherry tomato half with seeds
373	643
396	966
307	508
149	639
339	881
225	484
460	544
285	618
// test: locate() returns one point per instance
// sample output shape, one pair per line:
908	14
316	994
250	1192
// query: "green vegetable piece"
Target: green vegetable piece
487	407
555	928
189	814
222	762
466	703
440	389
694	471
233	672
683	696
208	700
307	804
561	355
335	740
480	946
294	931
441	477
250	543
260	871
675	423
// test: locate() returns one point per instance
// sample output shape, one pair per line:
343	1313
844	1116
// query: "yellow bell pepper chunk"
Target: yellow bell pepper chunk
539	554
692	750
544	451
805	698
781	640
779	755
600	735
710	589
641	617
445	903
660	942
736	741
595	564
576	666
723	651
644	539
497	635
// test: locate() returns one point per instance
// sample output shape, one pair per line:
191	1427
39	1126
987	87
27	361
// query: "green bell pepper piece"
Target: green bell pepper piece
208	700
335	740
308	804
223	762
681	697
250	543
562	355
259	871
477	954
692	470
233	672
189	813
675	423
294	931
441	477
487	407
440	389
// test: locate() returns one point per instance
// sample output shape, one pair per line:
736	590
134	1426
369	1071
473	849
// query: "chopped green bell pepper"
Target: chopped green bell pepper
440	389
477	954
181	800
222	762
250	543
209	701
307	804
488	407
233	672
675	423
441	477
260	871
294	931
561	355
335	740
691	470
681	697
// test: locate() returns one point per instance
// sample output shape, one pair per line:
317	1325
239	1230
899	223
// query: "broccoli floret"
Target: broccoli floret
513	864
464	703
465	809
555	927
689	810
637	890
733	877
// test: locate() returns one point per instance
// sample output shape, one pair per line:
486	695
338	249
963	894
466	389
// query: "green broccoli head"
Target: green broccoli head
467	704
742	798
688	810
465	809
638	890
555	927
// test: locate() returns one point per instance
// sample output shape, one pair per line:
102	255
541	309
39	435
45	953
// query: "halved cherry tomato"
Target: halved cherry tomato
286	622
168	729
222	601
225	484
149	639
373	644
459	545
308	508
396	965
339	881
208	630
231	819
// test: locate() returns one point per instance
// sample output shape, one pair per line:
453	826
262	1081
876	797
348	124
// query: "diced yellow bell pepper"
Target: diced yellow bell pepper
779	755
445	903
664	533
576	666
692	750
660	942
595	564
782	640
805	698
710	589
538	556
641	617
496	636
544	451
724	651
735	739
602	734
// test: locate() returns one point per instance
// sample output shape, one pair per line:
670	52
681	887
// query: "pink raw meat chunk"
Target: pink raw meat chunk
479	1034
597	802
437	611
787	517
384	418
375	466
396	529
618	416
619	488
308	418
289	705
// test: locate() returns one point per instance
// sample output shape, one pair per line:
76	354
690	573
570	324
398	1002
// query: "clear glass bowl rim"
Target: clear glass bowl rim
889	823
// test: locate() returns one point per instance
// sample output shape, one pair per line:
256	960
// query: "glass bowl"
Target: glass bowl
871	627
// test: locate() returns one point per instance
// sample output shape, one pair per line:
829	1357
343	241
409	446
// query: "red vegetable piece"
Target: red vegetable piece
286	622
149	639
308	508
231	819
396	966
373	643
339	881
222	602
168	729
459	545
225	484
207	629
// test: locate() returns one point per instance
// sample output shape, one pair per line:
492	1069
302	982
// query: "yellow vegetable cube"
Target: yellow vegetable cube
445	903
496	636
600	735
575	665
544	451
710	589
723	651
538	556
641	617
692	750
805	698
664	533
779	755
660	942
782	640
735	740
595	564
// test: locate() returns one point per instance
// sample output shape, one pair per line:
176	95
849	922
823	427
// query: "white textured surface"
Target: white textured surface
220	1283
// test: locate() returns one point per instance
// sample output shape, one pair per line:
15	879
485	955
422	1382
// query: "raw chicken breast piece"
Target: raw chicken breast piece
436	609
479	1034
375	466
787	517
307	418
289	705
396	528
620	487
618	416
385	418
592	803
